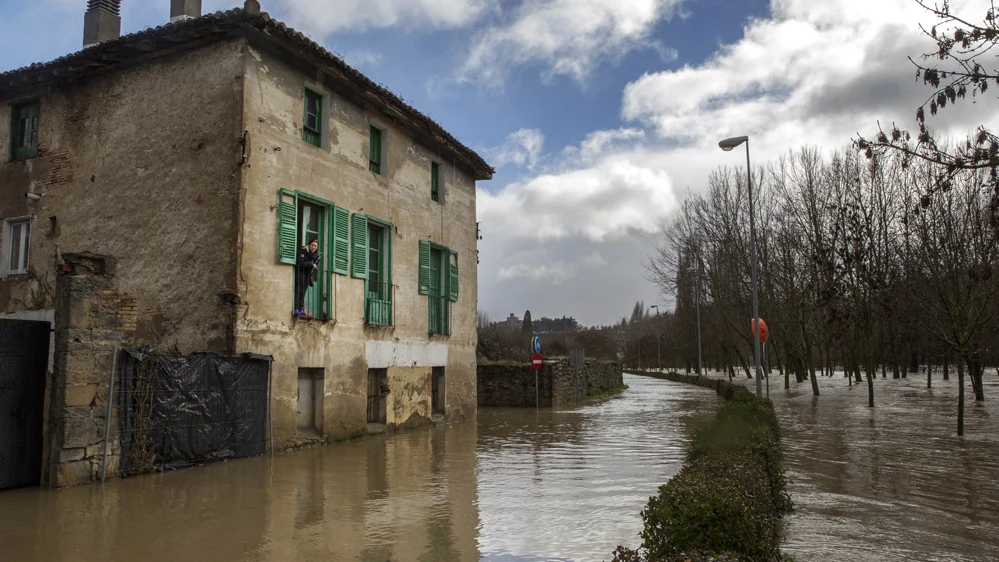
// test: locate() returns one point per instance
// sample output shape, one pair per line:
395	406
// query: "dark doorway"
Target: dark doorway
377	389
437	391
24	357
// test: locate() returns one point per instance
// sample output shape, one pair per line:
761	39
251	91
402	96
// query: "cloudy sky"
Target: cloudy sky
599	115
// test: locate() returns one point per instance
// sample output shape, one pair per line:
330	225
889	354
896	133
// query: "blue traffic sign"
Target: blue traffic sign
536	344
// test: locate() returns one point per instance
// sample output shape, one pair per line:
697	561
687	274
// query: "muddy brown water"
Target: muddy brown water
893	482
889	483
518	485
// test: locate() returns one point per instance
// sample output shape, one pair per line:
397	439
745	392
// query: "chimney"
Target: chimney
102	21
183	9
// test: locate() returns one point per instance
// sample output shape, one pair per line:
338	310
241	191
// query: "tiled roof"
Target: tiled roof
131	48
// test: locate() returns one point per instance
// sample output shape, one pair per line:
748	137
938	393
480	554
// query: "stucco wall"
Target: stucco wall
338	172
140	164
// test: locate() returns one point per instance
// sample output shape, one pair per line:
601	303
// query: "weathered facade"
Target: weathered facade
197	157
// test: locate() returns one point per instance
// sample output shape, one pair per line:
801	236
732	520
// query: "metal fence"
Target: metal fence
176	411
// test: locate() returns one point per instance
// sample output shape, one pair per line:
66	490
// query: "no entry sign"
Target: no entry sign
537	361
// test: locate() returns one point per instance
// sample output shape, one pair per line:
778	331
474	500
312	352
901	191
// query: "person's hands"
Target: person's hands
315	266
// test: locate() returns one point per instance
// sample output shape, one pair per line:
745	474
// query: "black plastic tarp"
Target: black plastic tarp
177	411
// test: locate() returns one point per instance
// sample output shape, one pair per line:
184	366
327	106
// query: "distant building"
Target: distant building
192	161
513	322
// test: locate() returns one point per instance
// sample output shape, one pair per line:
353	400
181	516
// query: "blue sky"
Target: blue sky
599	115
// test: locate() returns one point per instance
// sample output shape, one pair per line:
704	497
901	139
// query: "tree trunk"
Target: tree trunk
975	370
787	379
913	362
960	397
731	373
884	370
870	390
946	374
895	370
929	376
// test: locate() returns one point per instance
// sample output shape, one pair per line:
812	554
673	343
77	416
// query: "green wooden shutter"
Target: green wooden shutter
287	226
424	267
452	275
360	233
340	227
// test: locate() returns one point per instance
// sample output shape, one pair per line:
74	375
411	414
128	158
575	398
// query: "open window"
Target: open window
303	218
439	281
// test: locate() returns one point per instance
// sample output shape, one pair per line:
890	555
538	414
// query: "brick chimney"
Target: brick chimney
102	21
182	9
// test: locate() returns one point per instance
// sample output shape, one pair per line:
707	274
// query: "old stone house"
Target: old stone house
154	190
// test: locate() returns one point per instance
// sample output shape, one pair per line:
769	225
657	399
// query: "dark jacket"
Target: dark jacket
304	263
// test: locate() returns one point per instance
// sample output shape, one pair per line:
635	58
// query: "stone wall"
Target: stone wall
560	385
92	320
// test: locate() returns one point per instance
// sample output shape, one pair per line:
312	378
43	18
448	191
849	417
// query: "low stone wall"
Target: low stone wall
558	383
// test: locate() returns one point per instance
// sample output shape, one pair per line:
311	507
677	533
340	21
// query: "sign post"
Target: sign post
537	362
764	335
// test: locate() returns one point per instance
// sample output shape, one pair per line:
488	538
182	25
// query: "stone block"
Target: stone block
73	473
81	431
70	455
80	395
80	361
86	377
79	313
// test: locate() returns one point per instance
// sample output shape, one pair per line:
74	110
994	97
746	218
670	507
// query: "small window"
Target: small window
312	123
310	400
16	235
375	156
24	131
435	181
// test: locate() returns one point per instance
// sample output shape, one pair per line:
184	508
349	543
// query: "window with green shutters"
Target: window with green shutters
24	131
375	150
312	122
301	217
435	181
438	280
378	296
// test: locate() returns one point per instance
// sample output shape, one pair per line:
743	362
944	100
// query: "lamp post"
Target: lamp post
727	145
659	355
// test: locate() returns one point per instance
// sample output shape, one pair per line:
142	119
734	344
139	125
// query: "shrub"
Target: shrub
717	503
731	493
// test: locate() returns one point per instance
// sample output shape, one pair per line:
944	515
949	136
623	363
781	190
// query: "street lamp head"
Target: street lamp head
729	144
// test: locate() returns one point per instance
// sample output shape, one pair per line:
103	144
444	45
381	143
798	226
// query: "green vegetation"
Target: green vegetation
731	493
609	393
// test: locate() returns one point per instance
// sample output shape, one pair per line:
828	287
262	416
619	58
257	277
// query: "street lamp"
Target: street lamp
727	145
659	355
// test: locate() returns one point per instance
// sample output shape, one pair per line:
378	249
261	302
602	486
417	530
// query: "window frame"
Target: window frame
24	252
384	272
381	166
19	153
312	135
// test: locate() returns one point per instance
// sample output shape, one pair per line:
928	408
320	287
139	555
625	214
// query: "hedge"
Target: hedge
727	500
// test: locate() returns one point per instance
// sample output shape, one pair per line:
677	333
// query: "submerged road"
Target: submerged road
517	485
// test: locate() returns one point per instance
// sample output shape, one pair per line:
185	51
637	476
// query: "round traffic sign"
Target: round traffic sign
536	344
537	362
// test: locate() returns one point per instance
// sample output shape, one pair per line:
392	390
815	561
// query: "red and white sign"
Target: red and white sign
537	362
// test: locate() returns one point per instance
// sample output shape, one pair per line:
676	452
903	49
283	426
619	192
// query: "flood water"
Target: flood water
518	485
893	482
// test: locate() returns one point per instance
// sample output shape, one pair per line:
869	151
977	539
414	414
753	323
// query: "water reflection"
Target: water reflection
893	482
518	485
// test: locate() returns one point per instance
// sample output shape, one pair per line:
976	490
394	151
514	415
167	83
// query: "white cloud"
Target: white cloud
565	37
597	142
610	198
814	73
329	16
522	148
